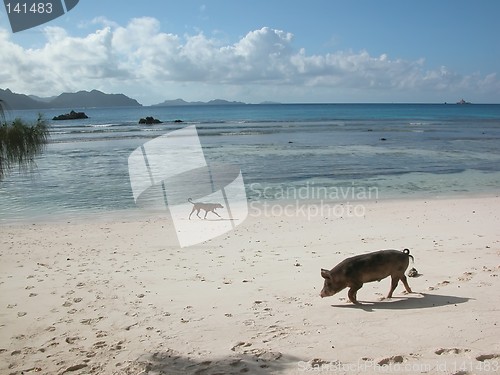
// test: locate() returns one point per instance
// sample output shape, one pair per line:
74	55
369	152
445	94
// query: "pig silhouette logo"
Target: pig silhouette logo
26	14
171	172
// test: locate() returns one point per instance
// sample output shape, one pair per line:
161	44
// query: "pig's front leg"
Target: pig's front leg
352	293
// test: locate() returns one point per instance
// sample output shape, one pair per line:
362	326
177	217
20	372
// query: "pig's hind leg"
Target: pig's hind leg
394	284
405	283
352	293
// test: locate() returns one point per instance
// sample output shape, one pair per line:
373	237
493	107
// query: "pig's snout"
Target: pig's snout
323	294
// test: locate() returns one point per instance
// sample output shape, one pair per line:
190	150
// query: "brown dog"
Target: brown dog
353	272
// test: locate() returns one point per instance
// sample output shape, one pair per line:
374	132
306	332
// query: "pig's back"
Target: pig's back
374	266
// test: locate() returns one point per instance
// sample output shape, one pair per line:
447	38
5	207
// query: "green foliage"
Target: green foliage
20	143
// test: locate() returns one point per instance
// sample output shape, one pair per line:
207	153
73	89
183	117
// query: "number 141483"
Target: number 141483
25	8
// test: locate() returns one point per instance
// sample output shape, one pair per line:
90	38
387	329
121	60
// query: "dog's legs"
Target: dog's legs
206	212
394	284
405	283
191	212
198	212
352	293
215	213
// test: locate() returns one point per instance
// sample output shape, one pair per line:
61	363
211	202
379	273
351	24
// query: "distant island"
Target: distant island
182	102
80	99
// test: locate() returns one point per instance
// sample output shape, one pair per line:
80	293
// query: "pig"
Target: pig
353	272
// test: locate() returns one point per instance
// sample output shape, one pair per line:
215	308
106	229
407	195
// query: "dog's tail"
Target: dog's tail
407	252
190	200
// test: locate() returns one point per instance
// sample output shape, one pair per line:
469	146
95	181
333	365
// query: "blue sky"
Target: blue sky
253	51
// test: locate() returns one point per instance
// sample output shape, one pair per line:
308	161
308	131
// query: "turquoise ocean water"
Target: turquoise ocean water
396	150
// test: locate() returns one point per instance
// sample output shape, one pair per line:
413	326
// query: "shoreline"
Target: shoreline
122	297
137	214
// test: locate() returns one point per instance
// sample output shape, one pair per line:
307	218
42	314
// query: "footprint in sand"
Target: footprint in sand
99	345
490	270
261	354
390	360
317	364
273	332
485	357
466	276
450	351
72	340
117	346
75	368
241	344
264	354
91	321
100	334
442	283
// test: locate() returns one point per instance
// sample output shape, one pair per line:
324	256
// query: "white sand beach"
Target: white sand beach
121	297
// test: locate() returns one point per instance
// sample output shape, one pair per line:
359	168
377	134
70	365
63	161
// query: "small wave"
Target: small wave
60	133
241	133
101	125
184	122
93	131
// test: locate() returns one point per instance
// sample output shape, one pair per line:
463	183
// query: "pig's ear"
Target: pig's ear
325	274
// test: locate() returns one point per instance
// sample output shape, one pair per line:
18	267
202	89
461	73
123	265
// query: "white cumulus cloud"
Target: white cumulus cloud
140	57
